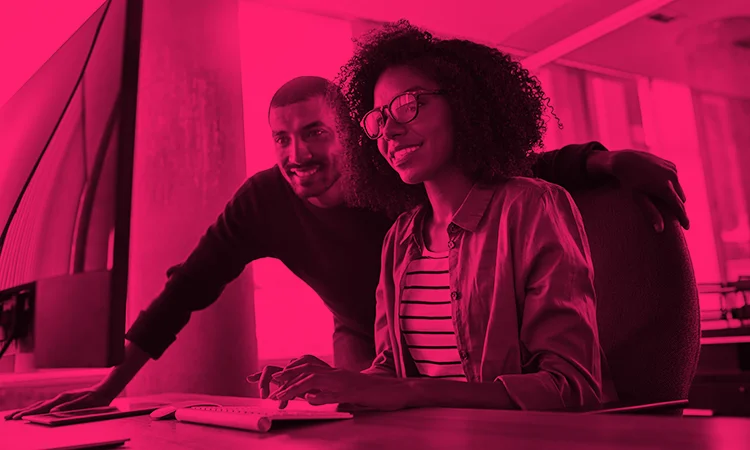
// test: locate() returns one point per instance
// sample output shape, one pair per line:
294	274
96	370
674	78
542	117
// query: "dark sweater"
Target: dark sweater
336	251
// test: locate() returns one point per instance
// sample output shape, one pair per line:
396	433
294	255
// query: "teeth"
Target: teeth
398	155
305	172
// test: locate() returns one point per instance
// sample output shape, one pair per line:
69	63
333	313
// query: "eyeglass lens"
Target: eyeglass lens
403	109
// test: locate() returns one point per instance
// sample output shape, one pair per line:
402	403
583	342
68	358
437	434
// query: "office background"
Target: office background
672	80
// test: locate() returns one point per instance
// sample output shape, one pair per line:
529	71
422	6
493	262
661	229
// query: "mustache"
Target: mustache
290	166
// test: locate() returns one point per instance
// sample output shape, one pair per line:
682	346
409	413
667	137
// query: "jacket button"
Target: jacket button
451	244
455	295
463	354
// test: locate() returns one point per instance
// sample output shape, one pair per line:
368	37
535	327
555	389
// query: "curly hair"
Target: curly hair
497	108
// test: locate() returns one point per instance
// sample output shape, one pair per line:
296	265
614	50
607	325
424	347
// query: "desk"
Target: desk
416	429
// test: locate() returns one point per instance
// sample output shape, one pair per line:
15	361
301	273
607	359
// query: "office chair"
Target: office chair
647	300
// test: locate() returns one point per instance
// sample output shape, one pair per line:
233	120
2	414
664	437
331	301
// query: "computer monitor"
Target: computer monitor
67	140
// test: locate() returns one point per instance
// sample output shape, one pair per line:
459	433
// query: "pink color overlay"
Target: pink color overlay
678	90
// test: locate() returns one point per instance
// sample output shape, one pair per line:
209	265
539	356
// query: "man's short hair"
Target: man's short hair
304	88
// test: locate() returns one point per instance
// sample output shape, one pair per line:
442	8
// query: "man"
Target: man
295	212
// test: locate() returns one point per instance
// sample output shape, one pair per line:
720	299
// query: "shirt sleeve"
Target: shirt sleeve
561	359
566	167
384	363
229	244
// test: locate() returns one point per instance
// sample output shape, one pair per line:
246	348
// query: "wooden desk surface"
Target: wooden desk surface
412	429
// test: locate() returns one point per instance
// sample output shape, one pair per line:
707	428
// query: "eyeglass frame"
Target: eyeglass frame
383	108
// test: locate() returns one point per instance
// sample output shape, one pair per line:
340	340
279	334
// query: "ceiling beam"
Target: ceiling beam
592	32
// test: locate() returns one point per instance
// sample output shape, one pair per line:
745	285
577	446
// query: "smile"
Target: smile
401	154
303	172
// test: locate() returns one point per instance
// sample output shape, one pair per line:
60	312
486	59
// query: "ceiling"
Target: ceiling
485	20
651	48
641	46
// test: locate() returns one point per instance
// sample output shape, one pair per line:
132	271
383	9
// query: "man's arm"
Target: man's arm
236	238
569	166
588	166
220	256
119	377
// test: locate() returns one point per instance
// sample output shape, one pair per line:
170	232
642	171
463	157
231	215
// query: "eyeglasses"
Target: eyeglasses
402	109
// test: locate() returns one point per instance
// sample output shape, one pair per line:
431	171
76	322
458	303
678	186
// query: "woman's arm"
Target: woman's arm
558	333
384	363
425	393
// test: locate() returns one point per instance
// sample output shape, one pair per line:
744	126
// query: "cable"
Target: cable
11	338
54	130
13	328
21	310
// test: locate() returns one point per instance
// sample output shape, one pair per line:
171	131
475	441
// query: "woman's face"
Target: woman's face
423	148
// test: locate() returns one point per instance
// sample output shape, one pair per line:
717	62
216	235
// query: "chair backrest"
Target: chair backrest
647	298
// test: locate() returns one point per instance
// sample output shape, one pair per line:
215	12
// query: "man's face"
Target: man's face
308	149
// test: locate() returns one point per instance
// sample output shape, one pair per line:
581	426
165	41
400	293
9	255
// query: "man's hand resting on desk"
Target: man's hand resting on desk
653	179
101	394
321	385
77	399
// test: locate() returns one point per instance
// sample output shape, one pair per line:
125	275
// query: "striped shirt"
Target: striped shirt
427	319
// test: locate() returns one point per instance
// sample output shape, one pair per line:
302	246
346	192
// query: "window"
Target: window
725	151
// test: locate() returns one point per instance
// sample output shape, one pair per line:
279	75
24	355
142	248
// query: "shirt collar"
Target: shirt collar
468	216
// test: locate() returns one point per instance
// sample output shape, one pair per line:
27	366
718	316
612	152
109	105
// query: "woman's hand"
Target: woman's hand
266	377
321	385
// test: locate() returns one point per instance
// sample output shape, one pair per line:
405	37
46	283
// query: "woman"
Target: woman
486	296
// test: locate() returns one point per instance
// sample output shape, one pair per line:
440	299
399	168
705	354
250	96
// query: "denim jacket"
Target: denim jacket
522	292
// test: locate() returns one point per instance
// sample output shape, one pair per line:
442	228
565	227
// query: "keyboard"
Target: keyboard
251	418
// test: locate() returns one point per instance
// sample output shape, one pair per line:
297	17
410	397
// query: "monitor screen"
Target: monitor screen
66	177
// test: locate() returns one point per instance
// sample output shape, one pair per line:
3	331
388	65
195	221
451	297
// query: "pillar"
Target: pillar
189	160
